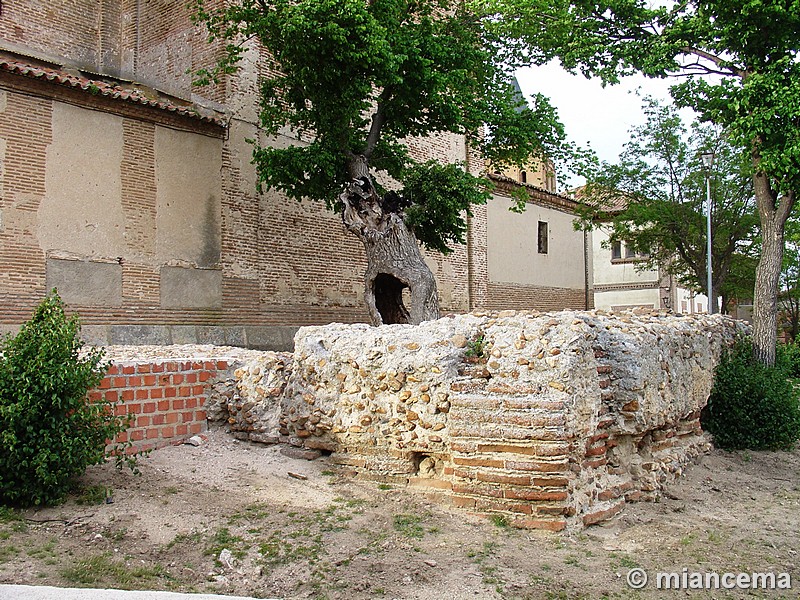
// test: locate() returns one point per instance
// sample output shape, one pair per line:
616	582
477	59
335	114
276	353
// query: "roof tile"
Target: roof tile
99	87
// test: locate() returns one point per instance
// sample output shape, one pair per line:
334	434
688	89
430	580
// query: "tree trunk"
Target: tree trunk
773	213
394	259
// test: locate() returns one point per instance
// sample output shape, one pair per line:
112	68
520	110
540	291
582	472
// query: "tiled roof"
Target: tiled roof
612	202
499	177
98	87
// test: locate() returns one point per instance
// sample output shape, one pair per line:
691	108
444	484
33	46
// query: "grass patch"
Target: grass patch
409	526
9	515
45	552
93	494
103	570
12	523
7	552
500	521
223	539
253	512
490	573
194	538
622	561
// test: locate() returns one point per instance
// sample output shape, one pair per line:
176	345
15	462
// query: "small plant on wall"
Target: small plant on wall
49	431
476	349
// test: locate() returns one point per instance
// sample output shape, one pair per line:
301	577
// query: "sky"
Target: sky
592	115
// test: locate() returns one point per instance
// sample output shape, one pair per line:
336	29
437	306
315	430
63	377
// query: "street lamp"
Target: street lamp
708	161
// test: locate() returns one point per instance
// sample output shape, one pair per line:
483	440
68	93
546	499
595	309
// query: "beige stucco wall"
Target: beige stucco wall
81	212
695	303
513	255
606	272
188	197
626	299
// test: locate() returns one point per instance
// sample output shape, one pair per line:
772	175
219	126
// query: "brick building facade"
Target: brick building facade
132	192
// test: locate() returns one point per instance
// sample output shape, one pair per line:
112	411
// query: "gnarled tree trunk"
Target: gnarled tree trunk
394	260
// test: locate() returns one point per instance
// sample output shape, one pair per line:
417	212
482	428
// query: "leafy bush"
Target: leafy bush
788	358
49	431
752	406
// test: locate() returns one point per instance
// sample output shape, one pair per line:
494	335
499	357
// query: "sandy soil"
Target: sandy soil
238	518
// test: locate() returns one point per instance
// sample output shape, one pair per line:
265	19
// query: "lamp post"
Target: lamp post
708	161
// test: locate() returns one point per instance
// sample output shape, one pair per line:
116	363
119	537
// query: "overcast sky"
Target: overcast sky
593	115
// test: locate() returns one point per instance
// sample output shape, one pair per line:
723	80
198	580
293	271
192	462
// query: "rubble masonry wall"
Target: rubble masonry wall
559	421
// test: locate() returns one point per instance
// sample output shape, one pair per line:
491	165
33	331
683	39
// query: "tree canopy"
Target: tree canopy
739	68
362	78
661	182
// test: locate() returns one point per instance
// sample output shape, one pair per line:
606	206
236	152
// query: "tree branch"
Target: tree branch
378	120
718	61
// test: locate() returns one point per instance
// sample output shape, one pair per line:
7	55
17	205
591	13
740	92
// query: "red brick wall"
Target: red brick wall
25	125
503	296
515	460
167	399
62	28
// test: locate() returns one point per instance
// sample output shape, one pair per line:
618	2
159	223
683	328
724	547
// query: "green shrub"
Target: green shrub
788	358
752	406
49	431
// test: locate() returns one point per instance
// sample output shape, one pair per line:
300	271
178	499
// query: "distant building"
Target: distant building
620	282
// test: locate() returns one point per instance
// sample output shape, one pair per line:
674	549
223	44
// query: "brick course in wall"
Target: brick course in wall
513	296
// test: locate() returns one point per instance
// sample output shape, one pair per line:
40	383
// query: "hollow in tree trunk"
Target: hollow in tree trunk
394	259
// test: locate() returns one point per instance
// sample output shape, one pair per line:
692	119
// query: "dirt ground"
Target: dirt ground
237	518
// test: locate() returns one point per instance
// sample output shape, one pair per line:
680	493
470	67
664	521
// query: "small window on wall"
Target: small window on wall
621	251
523	177
542	237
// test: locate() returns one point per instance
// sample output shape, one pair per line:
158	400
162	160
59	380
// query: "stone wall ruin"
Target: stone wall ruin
559	421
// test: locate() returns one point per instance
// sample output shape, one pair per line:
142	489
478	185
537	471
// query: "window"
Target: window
620	251
523	177
542	237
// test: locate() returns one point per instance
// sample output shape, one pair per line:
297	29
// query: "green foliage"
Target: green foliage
500	521
788	359
476	348
49	432
662	183
752	406
440	195
363	78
